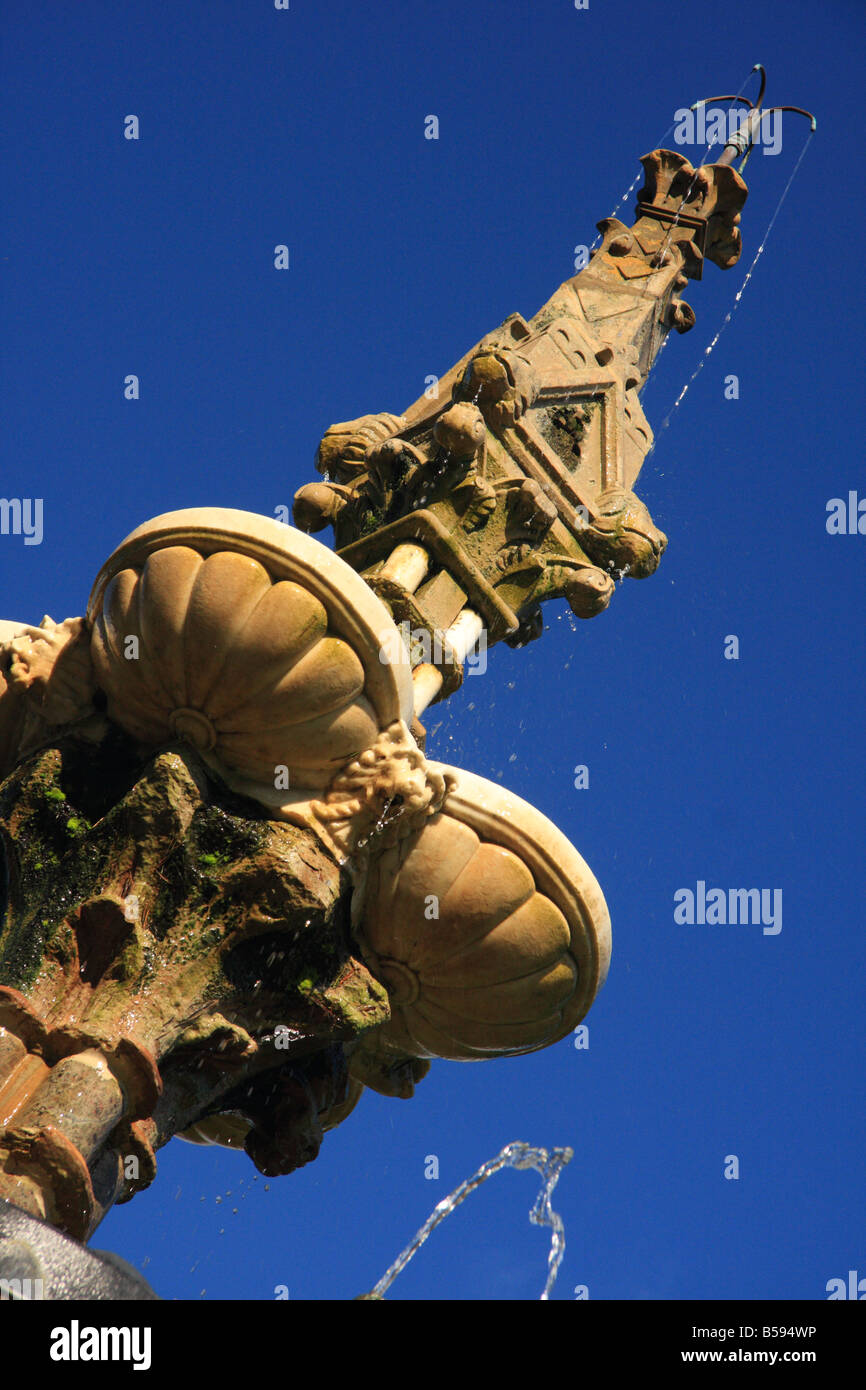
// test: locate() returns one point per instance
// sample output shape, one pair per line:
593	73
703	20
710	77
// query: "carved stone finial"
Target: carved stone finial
515	484
703	204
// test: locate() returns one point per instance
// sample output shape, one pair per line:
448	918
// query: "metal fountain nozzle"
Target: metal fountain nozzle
741	142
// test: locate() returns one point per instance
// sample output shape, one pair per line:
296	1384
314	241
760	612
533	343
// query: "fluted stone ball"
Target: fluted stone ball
487	927
249	640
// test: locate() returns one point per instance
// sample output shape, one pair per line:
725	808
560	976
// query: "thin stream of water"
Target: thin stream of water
660	144
628	192
684	200
729	315
514	1155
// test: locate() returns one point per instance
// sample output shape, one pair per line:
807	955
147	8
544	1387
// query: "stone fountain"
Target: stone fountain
236	890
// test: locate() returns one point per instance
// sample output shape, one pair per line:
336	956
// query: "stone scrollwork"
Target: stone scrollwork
52	663
390	789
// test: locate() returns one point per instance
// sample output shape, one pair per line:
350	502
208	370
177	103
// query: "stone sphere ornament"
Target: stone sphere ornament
487	927
249	640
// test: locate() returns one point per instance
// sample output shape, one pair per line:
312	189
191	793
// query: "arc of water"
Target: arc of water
740	292
514	1155
688	193
628	192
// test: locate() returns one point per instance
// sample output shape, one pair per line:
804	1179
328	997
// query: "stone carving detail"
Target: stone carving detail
391	478
46	684
174	932
342	454
502	383
521	555
487	927
344	457
708	199
393	768
624	536
515	485
52	663
233	664
569	423
394	478
532	510
255	647
376	800
681	315
251	642
281	1121
586	589
318	505
461	462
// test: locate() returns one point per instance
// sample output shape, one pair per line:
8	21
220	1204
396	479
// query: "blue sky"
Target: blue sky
155	257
